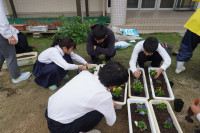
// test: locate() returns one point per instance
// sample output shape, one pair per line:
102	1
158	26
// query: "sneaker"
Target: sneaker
177	71
23	76
179	67
66	76
94	131
53	87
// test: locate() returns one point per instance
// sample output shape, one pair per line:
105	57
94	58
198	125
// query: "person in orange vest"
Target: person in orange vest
189	41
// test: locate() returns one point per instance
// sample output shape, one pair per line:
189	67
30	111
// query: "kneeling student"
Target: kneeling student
82	102
53	63
149	50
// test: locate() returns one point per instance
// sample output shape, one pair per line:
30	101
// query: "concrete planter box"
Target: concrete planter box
20	27
144	83
170	111
140	101
37	28
171	95
24	60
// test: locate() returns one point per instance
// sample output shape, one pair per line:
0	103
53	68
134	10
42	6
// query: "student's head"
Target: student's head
99	33
66	44
113	74
150	45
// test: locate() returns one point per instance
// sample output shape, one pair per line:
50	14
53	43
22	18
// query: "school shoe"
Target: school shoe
179	67
53	87
23	76
94	131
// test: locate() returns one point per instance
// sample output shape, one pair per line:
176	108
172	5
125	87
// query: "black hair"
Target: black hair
113	73
99	31
150	44
65	42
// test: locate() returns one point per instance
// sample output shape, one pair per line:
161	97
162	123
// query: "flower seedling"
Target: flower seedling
168	123
141	109
153	73
141	125
161	106
138	87
92	69
159	92
158	81
117	92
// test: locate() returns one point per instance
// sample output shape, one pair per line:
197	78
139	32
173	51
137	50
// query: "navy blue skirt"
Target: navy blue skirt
49	74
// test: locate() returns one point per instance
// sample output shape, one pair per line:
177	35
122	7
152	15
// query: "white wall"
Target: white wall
198	5
45	8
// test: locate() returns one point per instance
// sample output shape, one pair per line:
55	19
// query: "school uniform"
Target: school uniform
156	57
7	51
107	47
80	105
52	66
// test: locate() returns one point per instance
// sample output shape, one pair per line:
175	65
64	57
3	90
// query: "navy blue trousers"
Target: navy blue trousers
49	74
188	45
84	123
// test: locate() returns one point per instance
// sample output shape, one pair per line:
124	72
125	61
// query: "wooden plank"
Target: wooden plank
13	8
49	31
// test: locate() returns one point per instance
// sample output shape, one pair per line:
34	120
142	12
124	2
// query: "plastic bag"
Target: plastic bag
121	45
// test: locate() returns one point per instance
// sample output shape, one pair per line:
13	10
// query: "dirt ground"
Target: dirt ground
22	106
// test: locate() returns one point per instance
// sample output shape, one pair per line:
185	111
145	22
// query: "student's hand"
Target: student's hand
195	109
12	40
95	47
88	66
115	104
82	67
160	70
137	74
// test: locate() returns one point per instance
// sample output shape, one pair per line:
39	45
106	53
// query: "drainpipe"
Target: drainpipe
118	12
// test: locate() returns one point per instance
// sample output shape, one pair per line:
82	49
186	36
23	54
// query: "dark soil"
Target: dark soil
142	94
10	91
163	85
162	116
121	99
25	56
137	117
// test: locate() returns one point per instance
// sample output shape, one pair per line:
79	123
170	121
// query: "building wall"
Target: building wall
52	8
198	5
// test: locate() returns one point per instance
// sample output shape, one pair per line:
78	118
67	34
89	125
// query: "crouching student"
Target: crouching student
82	102
149	50
53	63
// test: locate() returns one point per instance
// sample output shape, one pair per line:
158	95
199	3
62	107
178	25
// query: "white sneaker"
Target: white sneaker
94	131
22	77
179	67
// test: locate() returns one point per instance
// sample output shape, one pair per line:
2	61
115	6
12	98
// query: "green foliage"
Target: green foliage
168	123
104	62
141	109
117	92
138	87
153	73
75	29
158	81
161	106
141	125
92	69
159	92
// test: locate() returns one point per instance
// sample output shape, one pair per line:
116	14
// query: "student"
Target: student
53	63
189	42
8	40
82	102
101	40
149	50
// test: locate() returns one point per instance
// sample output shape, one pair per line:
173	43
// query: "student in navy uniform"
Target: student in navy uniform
82	102
101	40
149	50
53	63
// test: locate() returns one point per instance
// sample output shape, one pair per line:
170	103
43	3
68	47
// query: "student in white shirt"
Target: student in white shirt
149	50
8	40
82	102
53	63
